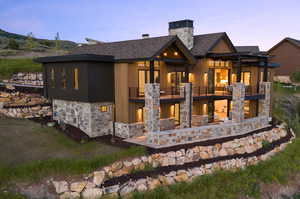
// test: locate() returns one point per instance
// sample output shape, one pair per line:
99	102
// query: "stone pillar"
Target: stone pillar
152	94
238	97
265	104
186	105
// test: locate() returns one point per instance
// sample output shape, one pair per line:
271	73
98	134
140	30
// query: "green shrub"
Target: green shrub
10	66
266	144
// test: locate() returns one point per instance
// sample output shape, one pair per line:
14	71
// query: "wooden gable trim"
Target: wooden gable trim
226	39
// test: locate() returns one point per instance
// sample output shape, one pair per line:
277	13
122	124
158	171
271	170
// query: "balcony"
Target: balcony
166	94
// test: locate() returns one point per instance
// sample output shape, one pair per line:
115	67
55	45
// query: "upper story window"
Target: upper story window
246	78
52	78
76	78
63	78
146	64
219	63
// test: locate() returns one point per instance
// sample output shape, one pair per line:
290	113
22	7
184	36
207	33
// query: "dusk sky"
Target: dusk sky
247	22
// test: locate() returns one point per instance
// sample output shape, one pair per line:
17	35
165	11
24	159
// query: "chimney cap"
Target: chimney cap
146	35
186	23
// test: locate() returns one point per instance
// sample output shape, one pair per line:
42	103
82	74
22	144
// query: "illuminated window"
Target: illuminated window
52	76
76	79
246	78
63	78
204	109
140	114
191	77
176	53
205	79
103	108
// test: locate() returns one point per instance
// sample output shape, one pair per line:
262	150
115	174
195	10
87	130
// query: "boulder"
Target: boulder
127	188
61	186
181	176
70	195
116	166
93	193
153	183
98	177
78	186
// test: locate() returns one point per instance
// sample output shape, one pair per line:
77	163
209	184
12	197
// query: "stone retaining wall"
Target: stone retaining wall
95	183
199	120
86	116
129	130
27	112
29	78
188	135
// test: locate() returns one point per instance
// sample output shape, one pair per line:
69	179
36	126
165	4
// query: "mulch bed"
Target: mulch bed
167	169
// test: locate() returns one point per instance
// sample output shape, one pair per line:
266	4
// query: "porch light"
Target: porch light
165	54
140	115
172	111
176	53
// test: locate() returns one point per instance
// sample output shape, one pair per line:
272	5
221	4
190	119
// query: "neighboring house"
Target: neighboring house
287	54
155	84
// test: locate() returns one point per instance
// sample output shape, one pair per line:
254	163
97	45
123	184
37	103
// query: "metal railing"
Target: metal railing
206	91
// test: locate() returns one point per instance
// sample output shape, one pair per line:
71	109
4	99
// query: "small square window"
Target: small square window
103	108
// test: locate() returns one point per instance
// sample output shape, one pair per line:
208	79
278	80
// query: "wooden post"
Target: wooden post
151	71
239	71
186	78
265	70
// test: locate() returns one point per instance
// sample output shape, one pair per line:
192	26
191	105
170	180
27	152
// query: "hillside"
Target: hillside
41	44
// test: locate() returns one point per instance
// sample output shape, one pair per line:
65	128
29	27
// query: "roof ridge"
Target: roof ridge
130	40
214	33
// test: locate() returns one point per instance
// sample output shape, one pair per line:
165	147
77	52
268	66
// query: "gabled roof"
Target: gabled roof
203	44
249	49
129	49
288	39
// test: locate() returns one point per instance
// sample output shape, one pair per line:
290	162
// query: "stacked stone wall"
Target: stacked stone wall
29	78
86	116
186	105
100	181
152	104
195	134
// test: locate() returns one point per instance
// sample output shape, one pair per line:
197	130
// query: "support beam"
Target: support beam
151	71
239	71
186	78
265	70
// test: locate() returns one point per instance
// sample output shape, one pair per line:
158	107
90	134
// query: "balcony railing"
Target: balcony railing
206	91
252	90
169	92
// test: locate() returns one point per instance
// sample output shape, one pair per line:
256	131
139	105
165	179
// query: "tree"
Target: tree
295	77
12	44
30	43
57	42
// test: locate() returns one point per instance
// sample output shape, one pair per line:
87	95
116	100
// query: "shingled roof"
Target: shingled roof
250	49
147	48
129	49
288	39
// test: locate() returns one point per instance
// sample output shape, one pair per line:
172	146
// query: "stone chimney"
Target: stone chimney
184	29
145	36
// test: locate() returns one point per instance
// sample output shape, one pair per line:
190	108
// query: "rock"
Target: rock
171	154
171	161
112	189
141	187
127	188
204	155
165	161
196	171
165	180
153	183
223	152
136	161
181	176
70	195
78	186
61	186
180	160
93	193
144	159
171	174
98	177
116	166
90	185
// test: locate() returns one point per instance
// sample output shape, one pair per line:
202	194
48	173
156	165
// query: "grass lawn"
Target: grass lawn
30	152
10	66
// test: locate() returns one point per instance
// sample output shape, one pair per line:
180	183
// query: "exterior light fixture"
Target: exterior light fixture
176	53
165	54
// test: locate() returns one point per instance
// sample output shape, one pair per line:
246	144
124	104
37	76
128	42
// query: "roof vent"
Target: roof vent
145	36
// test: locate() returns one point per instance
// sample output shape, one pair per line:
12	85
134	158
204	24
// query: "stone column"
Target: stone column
238	97
265	104
186	105
152	94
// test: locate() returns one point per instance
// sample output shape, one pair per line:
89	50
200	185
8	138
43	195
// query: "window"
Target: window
63	78
103	108
140	114
52	78
246	78
76	79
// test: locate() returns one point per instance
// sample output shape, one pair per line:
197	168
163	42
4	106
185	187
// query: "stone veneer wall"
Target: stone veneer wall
152	104
85	116
26	112
129	130
199	120
265	104
29	78
188	135
186	105
96	184
238	97
185	34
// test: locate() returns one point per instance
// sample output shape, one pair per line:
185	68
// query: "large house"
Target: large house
287	54
153	87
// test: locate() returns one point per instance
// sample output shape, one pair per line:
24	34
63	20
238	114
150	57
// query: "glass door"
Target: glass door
144	77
